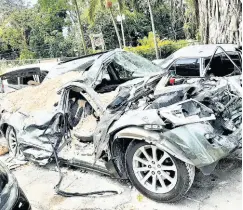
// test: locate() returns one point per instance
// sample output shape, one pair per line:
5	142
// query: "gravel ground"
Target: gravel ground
221	190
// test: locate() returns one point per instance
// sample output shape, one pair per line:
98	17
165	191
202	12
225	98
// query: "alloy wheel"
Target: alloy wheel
12	141
13	144
154	169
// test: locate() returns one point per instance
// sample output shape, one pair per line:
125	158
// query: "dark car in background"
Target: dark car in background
11	195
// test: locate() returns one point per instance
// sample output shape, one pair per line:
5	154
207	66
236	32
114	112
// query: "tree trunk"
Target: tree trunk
116	29
195	4
122	28
220	21
153	29
80	27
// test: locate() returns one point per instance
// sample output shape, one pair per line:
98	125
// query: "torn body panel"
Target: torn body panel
187	143
200	143
190	138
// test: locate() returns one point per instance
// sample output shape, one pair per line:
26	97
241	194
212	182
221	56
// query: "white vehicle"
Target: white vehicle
23	76
191	61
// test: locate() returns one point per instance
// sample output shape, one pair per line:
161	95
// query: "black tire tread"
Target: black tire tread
187	170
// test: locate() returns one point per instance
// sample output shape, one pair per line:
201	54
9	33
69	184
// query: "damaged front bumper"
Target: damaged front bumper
200	144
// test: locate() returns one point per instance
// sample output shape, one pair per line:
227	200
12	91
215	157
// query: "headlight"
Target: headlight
153	127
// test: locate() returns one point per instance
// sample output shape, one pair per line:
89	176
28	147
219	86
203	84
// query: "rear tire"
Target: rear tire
13	145
157	174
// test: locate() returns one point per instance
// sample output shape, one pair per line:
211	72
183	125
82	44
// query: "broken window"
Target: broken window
132	66
221	65
25	80
187	67
108	80
13	81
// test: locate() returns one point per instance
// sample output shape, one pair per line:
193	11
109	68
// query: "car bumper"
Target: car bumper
22	202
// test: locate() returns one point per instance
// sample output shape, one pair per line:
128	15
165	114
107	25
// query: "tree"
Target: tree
120	8
136	4
153	29
108	4
15	29
65	5
220	21
80	26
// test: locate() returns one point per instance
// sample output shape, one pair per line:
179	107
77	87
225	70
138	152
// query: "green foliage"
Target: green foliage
12	36
190	23
26	54
54	5
14	29
38	31
166	47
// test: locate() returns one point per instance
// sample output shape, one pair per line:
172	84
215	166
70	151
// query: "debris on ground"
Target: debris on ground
13	163
80	151
3	150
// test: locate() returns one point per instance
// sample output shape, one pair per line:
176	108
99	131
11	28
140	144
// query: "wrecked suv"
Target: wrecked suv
151	133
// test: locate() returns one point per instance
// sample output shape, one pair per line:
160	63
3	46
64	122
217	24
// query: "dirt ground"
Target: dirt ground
221	190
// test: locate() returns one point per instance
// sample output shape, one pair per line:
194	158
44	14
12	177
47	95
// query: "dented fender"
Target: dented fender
152	137
187	143
201	143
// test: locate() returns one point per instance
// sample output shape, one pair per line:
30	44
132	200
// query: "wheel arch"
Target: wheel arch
130	134
4	128
118	149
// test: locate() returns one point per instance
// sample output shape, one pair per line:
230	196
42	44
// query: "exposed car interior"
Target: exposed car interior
113	75
21	78
221	65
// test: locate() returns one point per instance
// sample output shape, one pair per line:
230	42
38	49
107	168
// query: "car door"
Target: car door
86	92
82	114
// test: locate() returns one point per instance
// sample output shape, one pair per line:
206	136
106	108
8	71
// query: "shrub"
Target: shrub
166	47
26	54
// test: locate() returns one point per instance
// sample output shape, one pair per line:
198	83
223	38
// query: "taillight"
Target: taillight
172	81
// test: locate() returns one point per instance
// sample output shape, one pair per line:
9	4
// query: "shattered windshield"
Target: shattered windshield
135	64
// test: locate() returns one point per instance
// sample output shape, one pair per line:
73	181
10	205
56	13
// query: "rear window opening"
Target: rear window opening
25	80
12	81
186	67
221	65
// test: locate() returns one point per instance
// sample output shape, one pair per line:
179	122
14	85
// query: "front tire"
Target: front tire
157	174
